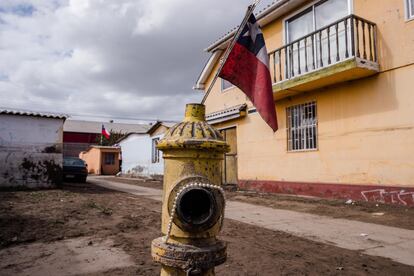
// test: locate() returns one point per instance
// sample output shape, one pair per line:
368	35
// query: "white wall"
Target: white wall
136	156
30	151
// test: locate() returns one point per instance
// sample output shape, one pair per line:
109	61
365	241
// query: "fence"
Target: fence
346	38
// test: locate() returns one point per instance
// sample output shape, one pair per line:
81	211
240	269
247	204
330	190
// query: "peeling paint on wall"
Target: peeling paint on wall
46	171
30	151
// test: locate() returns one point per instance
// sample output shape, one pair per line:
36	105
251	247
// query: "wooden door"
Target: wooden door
230	158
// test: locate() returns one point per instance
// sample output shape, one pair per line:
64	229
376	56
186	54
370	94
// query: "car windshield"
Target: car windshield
73	162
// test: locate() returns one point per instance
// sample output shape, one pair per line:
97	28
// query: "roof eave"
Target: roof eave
202	79
264	17
42	114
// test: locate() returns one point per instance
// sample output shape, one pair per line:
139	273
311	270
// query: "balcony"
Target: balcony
342	51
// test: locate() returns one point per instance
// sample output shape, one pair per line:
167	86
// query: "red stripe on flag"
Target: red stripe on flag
248	73
106	133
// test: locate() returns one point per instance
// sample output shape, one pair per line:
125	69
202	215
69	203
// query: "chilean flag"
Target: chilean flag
247	67
105	132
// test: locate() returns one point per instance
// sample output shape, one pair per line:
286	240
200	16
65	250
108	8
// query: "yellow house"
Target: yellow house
343	85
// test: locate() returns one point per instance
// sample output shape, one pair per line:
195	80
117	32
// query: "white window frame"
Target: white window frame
155	153
409	14
312	4
304	135
222	86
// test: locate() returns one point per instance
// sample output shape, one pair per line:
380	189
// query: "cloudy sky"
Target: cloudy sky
122	58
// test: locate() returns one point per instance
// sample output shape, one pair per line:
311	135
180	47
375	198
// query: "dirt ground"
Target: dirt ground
67	231
385	214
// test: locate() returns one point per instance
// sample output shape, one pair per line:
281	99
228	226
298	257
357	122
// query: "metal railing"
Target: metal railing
351	36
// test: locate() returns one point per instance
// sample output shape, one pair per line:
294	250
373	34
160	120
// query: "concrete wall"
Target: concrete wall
92	158
136	156
30	151
366	127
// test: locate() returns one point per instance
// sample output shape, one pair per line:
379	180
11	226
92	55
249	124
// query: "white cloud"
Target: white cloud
123	58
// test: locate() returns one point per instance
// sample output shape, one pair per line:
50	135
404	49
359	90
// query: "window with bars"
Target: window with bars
410	9
155	156
302	127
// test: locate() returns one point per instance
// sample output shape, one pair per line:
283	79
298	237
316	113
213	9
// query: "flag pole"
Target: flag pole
226	54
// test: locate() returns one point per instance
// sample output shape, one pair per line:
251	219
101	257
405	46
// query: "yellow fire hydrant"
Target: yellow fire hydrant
193	200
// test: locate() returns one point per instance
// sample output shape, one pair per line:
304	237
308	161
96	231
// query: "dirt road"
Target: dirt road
83	229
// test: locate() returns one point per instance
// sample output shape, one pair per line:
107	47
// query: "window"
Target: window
225	85
302	131
109	158
73	161
410	9
155	155
313	18
252	110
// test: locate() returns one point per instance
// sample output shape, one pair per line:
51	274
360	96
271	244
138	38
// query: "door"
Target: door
230	158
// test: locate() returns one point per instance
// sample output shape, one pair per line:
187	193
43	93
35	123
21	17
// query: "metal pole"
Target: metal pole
223	60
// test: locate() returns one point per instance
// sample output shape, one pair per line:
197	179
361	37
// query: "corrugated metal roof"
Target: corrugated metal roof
227	114
153	127
33	113
96	127
271	12
264	16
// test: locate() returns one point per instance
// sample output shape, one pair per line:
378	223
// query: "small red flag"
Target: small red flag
105	133
247	67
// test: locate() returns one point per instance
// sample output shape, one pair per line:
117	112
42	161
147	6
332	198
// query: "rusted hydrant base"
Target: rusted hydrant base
185	257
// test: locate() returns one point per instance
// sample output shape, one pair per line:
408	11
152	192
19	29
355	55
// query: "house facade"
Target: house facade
342	73
140	156
30	149
79	135
102	160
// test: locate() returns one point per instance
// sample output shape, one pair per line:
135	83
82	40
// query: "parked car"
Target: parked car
74	169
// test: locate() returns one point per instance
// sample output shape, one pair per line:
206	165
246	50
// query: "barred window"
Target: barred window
302	130
155	152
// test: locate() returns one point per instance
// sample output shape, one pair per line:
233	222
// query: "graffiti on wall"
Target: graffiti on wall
396	197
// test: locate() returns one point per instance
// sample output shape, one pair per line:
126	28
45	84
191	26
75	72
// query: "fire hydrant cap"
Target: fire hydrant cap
193	133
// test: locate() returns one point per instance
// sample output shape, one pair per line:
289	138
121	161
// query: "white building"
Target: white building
140	157
30	148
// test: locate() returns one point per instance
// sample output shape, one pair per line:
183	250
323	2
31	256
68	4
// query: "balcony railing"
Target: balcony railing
349	37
